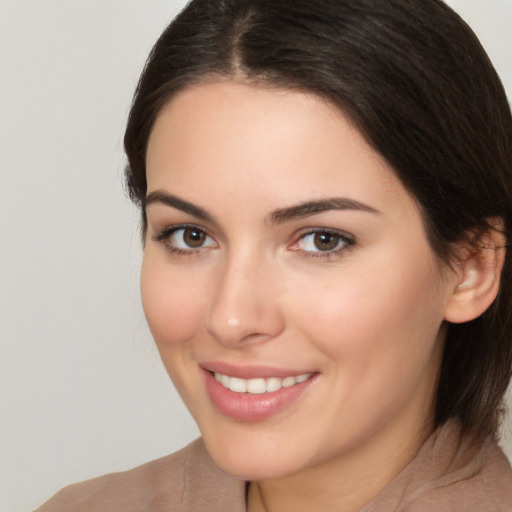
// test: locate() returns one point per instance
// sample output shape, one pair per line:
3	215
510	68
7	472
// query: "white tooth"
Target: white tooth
273	384
256	386
238	385
288	381
259	385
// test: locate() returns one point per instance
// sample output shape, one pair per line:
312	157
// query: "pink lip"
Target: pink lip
249	407
251	372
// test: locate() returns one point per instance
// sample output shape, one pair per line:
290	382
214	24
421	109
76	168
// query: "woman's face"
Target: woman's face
286	262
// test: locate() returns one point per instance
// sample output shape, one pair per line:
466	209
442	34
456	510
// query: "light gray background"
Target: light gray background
82	390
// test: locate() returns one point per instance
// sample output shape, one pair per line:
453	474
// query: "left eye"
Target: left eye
322	241
188	238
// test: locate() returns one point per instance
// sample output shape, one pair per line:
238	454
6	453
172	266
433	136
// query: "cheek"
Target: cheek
377	331
172	302
379	319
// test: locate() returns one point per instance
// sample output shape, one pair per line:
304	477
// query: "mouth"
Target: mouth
259	385
256	398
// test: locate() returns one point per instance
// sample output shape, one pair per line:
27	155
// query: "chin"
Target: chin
263	468
253	457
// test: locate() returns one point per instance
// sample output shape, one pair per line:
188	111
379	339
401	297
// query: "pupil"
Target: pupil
325	241
193	237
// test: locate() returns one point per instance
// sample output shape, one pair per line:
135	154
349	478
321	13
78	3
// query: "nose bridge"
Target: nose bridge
244	302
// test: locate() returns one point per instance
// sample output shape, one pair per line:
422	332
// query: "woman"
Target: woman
325	190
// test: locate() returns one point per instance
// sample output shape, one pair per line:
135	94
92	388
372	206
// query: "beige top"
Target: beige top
450	473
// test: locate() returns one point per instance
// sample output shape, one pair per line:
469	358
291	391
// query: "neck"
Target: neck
345	483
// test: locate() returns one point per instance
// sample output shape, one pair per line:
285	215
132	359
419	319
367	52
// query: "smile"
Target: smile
260	385
255	398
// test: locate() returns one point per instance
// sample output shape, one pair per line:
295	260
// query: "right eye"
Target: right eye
185	239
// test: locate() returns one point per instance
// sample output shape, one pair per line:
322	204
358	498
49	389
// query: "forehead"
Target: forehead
256	142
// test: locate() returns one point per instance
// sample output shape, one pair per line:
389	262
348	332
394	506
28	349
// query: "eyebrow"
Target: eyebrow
278	216
162	197
323	205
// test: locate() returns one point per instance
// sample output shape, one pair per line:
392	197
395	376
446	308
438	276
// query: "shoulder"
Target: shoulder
452	472
160	485
482	484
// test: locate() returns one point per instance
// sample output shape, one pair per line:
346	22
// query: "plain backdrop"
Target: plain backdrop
82	390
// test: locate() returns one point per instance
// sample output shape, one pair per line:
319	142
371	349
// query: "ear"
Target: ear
478	272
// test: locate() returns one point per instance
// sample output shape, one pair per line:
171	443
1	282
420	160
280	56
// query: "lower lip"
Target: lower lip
252	407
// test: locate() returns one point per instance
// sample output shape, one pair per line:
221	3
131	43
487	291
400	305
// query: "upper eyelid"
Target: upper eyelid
349	241
296	235
172	228
312	230
169	230
321	229
164	235
160	226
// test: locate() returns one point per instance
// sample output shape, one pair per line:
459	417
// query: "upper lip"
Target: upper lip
250	371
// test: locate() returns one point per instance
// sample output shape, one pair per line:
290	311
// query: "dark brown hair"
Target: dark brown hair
413	77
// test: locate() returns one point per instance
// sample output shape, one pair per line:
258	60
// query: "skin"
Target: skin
366	318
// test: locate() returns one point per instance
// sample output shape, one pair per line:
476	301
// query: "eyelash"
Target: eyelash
347	242
165	235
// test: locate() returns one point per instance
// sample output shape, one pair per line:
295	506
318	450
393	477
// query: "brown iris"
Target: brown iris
194	237
326	241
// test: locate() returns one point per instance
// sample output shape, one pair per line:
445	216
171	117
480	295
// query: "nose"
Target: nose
244	306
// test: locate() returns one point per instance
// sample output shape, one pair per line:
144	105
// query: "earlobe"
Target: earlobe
478	271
